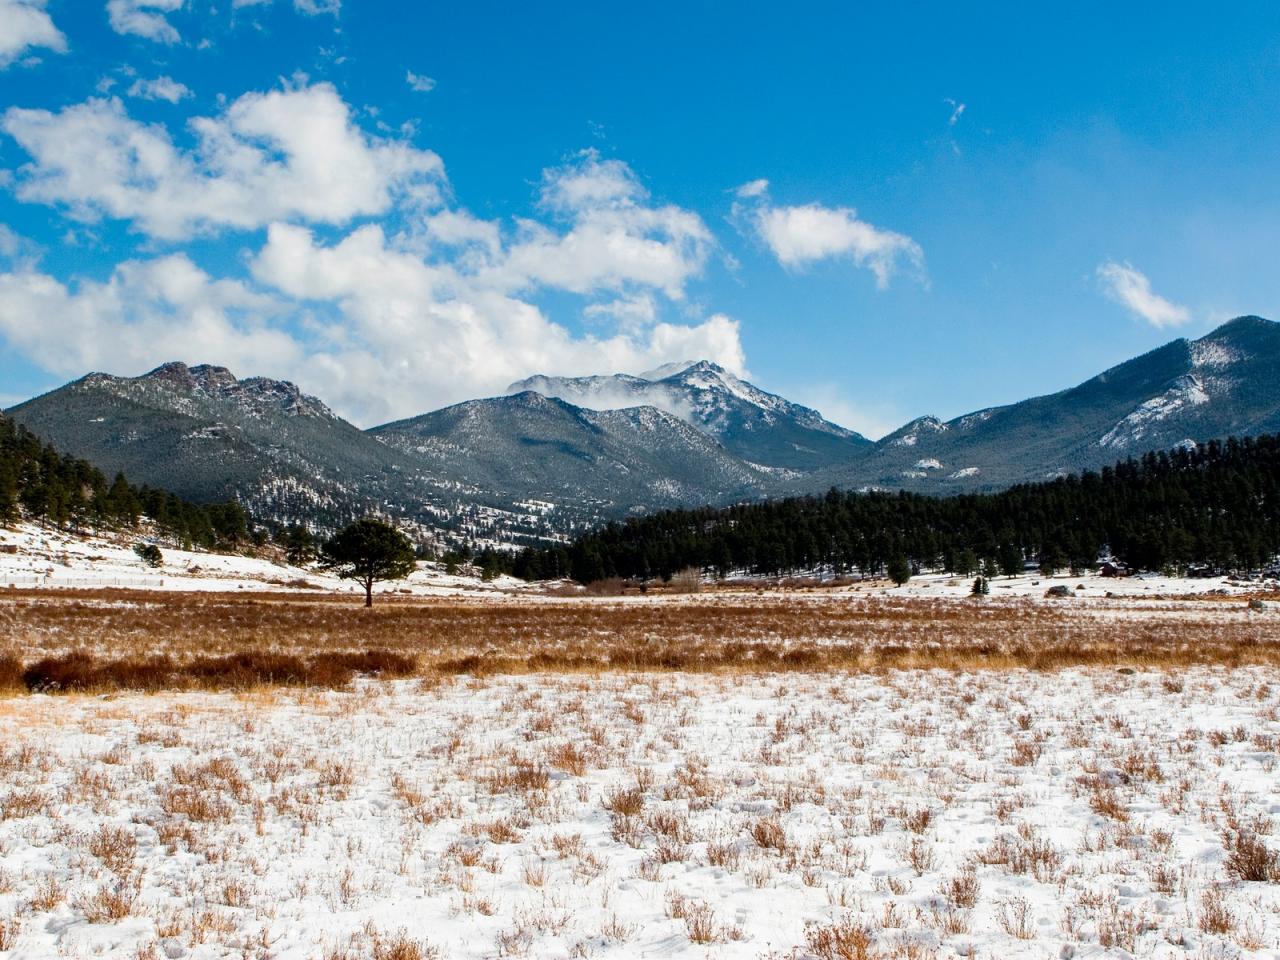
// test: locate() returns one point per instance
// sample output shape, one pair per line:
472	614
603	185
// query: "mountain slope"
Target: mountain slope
536	464
758	427
538	448
1225	383
203	434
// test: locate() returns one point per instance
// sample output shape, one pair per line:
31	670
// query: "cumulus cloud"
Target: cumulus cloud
957	111
290	153
144	18
1130	288
634	312
800	235
381	321
161	88
25	25
146	312
436	334
419	83
615	237
459	229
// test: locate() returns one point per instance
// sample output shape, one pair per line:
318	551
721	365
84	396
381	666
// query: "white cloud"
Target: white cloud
630	313
957	111
309	7
161	88
144	18
419	83
616	238
379	325
291	153
24	25
146	312
804	234
415	335
15	248
587	183
1131	289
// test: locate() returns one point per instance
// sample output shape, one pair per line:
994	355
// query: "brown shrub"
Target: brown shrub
769	834
10	673
843	940
610	587
81	672
624	801
1248	858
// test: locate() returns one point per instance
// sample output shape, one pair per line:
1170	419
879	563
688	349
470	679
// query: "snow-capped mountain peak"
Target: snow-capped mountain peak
761	427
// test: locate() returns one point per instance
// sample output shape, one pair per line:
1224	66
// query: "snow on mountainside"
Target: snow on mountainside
910	435
760	427
258	396
201	433
560	454
1223	384
1188	391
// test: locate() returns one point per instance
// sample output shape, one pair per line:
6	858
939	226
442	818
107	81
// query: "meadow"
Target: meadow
782	774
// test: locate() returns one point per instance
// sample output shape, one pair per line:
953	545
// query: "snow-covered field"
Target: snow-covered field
1089	585
912	815
612	811
50	558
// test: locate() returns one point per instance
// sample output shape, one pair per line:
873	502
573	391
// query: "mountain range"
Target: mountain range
1224	384
556	455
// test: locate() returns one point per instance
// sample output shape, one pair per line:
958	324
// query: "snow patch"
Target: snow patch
1187	392
1214	354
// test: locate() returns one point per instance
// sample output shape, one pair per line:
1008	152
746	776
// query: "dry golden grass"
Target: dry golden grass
150	640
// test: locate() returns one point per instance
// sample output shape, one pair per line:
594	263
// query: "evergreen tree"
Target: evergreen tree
299	545
149	554
8	493
1051	561
369	551
1011	562
899	569
45	486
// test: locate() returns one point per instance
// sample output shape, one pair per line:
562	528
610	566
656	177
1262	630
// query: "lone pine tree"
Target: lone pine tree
369	551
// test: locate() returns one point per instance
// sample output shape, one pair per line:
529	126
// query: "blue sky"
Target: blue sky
881	212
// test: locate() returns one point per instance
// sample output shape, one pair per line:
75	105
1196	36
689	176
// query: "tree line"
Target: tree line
1216	504
41	484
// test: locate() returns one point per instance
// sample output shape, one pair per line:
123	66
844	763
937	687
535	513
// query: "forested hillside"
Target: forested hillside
1218	504
39	483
